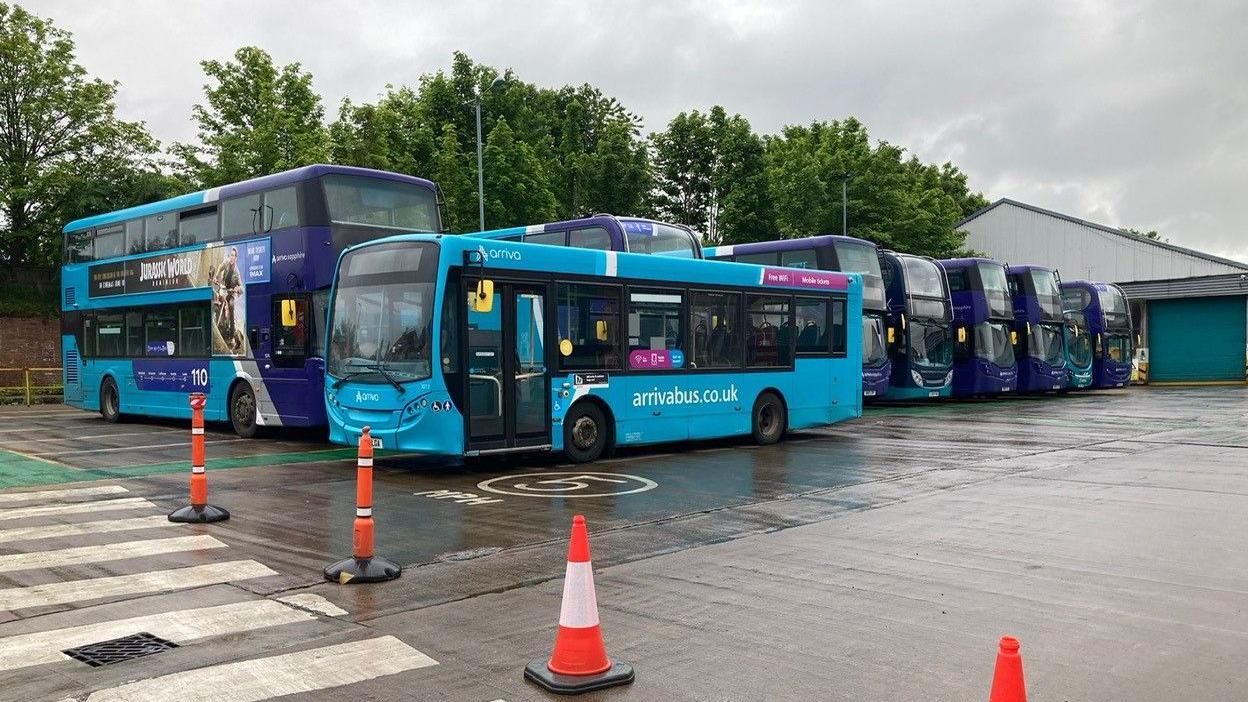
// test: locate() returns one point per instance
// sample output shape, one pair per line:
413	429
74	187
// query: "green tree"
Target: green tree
711	175
63	151
458	181
393	135
517	187
258	119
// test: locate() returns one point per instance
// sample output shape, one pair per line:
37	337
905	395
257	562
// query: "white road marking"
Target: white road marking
75	508
276	676
53	531
314	603
137	584
147	432
99	554
133	448
60	495
180	626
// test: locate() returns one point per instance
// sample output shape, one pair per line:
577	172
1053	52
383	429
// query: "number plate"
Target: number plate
933	393
868	393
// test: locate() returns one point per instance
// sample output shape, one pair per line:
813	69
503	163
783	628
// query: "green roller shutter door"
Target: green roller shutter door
1196	339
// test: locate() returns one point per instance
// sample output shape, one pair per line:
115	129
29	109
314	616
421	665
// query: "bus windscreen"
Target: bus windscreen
862	258
996	290
376	203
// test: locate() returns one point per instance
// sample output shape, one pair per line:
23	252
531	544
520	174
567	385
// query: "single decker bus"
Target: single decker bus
604	232
833	253
983	318
1108	316
1038	319
464	346
921	318
222	291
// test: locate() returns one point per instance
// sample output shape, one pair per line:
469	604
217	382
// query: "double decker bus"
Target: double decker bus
466	346
1039	322
833	253
921	319
222	291
983	316
1108	316
1078	347
604	232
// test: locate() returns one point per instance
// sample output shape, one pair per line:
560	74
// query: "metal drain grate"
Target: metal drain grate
118	650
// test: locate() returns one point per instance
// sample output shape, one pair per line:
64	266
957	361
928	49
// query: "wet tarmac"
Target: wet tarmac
875	560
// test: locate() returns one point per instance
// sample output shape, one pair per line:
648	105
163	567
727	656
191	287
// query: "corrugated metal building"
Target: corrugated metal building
1190	307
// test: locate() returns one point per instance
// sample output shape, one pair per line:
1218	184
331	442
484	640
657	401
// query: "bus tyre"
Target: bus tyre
110	401
769	419
243	410
584	433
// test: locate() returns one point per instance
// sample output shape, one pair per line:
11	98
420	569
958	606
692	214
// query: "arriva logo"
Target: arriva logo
367	396
497	254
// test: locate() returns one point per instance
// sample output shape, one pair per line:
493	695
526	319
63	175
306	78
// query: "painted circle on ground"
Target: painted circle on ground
567	484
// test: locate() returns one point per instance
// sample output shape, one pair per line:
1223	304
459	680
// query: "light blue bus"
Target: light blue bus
463	346
222	291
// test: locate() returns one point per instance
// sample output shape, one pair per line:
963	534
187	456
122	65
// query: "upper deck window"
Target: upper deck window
590	238
241	215
656	238
996	289
854	257
198	227
379	203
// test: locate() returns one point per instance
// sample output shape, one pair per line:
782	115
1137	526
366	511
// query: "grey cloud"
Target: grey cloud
1129	114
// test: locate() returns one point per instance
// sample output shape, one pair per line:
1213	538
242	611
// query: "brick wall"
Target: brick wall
30	342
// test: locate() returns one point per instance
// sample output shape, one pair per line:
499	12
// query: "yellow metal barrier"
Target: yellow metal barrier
27	391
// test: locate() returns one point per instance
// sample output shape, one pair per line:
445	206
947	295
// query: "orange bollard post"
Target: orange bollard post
364	566
1007	679
199	511
579	662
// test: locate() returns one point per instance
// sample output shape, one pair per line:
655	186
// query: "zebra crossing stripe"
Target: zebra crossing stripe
276	676
181	626
136	584
75	508
112	552
60	495
53	531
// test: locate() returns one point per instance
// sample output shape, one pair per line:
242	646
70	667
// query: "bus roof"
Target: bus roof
274	180
967	262
783	245
1028	267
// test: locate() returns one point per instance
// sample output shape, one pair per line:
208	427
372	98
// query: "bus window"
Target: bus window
291	330
590	238
713	320
193	331
801	258
161	231
110	241
840	343
812	325
198	227
79	246
654	318
547	238
957	279
134	334
161	333
241	215
762	259
584	343
653	237
372	202
770	336
134	237
110	335
281	209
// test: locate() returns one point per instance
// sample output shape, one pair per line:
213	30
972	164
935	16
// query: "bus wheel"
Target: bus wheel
770	419
584	433
110	401
243	410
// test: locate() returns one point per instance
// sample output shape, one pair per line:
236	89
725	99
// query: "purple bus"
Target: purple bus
1039	323
833	253
222	291
1104	307
983	316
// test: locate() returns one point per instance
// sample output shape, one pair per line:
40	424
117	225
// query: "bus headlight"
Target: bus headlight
948	377
916	377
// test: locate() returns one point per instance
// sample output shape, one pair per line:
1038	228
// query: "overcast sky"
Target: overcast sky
1128	114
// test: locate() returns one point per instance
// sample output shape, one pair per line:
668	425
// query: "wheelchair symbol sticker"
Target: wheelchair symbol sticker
569	484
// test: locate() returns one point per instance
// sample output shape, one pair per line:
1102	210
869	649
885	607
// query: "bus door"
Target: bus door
508	383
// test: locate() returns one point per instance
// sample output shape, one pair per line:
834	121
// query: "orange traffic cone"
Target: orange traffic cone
1007	681
364	565
199	511
579	662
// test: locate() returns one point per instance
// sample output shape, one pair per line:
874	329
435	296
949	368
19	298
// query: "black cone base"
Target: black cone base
199	514
536	672
362	570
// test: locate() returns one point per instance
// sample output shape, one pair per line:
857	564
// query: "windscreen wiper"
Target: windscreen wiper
370	368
